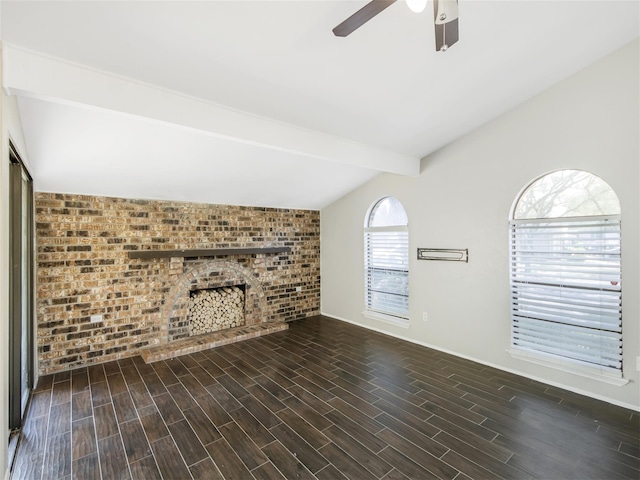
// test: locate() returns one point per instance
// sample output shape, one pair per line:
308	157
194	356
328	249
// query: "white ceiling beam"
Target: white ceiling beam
39	76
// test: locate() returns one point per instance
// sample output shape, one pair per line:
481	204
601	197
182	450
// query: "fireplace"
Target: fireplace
213	309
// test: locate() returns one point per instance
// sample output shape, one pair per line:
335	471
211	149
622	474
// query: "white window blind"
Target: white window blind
387	270
566	289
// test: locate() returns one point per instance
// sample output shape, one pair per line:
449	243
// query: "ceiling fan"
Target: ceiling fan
445	14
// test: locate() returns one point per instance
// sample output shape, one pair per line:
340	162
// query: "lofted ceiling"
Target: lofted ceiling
258	103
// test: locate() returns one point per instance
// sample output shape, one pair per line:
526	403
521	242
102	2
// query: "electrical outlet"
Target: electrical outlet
424	316
96	318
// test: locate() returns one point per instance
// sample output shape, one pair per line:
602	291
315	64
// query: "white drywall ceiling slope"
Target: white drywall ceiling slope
316	107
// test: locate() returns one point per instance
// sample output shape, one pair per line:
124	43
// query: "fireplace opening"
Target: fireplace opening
214	309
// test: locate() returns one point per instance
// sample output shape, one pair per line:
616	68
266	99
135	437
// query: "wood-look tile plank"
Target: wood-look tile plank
134	439
497	467
81	405
226	460
224	397
146	469
152	424
177	367
252	427
363	436
242	379
330	473
214	411
193	386
310	399
61	392
40	403
100	394
344	462
202	376
111	367
397	475
407	466
29	460
276	390
307	431
232	386
123	406
299	447
105	421
61	376
154	384
427	454
365	457
205	469
84	438
165	373
131	375
140	395
267	471
96	374
216	358
245	448
169	460
268	400
59	419
211	368
189	361
79	380
258	410
182	397
45	382
286	463
187	442
278	376
86	468
168	408
116	383
310	415
142	368
362	419
202	425
113	461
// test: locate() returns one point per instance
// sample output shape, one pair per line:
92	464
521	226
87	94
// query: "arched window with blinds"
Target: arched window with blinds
566	290
386	238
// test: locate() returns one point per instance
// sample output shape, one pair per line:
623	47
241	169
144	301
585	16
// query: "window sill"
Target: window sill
566	366
390	319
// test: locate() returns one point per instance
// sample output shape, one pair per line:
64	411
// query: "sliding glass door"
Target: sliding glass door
21	290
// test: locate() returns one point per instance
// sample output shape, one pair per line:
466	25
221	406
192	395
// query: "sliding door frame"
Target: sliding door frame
21	288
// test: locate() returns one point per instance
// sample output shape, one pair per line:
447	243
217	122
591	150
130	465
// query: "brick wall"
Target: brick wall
83	268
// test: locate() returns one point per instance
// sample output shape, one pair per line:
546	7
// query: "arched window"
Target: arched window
386	240
566	300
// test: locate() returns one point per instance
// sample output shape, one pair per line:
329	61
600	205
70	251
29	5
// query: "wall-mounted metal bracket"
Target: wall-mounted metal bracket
444	254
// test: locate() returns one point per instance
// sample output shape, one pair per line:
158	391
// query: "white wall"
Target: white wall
462	199
11	129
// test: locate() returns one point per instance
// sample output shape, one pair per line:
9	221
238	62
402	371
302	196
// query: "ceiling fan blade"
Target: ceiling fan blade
361	17
445	14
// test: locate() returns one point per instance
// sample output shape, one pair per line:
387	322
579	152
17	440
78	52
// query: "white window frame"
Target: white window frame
393	242
566	294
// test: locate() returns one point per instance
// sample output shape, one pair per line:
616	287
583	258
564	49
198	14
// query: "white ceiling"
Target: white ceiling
257	103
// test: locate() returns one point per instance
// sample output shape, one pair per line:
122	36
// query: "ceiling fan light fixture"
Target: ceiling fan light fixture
447	11
416	6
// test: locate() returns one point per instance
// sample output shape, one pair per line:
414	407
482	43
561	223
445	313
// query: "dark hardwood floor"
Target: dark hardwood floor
323	400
